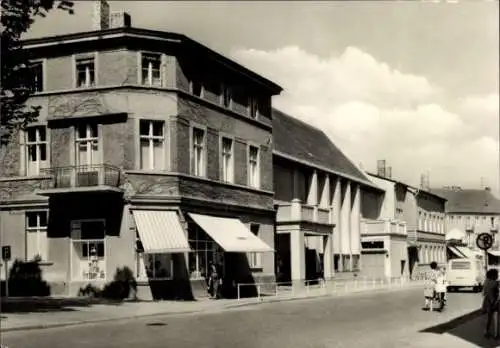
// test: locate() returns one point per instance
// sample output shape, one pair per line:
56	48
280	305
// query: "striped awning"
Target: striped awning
469	253
231	234
456	252
494	252
160	231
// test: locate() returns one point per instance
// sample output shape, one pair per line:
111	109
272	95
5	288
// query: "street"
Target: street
390	319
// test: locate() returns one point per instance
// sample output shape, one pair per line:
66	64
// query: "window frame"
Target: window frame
161	69
88	140
255	258
77	238
43	64
41	233
253	107
204	166
223	137
192	83
82	57
226	91
209	251
256	185
151	138
25	144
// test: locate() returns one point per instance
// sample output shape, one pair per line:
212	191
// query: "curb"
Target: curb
203	311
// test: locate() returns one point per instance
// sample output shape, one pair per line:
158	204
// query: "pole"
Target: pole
485	261
6	279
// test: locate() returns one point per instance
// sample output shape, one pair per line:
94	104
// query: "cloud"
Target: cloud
373	111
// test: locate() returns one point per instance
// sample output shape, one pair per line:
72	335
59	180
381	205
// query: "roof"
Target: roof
113	34
470	201
429	192
297	140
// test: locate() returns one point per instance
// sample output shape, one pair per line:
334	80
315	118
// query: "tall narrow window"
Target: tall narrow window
88	239
36	235
36	76
198	152
85	72
253	166
227	160
87	144
197	88
253	107
226	96
151	69
152	145
36	149
255	259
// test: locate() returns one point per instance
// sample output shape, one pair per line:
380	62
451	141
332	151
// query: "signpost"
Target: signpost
6	258
484	241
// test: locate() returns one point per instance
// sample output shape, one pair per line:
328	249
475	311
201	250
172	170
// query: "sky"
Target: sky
415	83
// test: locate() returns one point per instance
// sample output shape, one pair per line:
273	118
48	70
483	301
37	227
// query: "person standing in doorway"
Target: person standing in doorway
214	281
490	300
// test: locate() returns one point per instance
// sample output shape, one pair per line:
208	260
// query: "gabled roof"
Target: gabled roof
470	201
417	189
297	140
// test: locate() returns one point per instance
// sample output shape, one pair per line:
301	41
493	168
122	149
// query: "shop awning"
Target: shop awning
455	234
494	252
469	253
160	231
456	252
231	234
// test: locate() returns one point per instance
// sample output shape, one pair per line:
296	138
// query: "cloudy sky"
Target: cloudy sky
415	83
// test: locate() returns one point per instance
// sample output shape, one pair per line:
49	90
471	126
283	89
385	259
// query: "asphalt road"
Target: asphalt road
365	320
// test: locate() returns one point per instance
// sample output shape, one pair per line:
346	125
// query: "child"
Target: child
490	299
441	287
430	288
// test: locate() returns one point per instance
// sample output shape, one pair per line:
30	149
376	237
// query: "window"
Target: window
227	160
88	257
155	266
204	251
36	149
226	96
151	69
85	72
373	245
152	141
36	76
87	144
36	235
255	259
492	219
198	152
253	106
197	88
253	166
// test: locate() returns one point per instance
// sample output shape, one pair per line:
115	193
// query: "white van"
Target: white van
465	273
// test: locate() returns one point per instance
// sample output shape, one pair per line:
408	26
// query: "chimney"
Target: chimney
388	172
100	16
120	20
381	168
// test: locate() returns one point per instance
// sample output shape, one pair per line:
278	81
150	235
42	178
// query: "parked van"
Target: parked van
462	273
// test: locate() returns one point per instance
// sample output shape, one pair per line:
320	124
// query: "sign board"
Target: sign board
6	253
484	241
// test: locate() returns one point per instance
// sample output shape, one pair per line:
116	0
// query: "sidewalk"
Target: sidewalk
82	313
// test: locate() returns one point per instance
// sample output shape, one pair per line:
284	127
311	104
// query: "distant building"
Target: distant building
471	212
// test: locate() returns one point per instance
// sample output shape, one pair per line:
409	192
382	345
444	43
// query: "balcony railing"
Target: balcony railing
375	227
86	176
295	211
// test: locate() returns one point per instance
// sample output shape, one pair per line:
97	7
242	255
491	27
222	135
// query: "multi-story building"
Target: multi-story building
424	214
470	212
384	244
151	151
318	195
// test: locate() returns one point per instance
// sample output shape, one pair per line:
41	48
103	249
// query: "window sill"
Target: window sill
256	269
45	263
25	178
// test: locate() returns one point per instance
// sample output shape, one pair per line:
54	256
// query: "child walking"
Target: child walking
490	301
441	288
430	288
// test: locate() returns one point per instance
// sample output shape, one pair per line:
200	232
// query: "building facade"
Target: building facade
470	212
151	152
318	201
424	214
384	239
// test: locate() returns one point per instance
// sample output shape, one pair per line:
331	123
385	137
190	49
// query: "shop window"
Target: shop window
255	259
204	251
355	262
155	266
88	261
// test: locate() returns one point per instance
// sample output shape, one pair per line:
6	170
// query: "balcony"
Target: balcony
296	211
86	178
380	227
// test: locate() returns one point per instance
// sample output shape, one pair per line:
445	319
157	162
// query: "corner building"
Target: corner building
151	152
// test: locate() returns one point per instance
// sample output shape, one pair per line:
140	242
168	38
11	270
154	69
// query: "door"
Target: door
88	155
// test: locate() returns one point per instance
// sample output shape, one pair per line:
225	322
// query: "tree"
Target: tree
17	77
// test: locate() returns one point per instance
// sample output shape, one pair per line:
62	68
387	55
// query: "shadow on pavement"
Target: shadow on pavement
467	327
